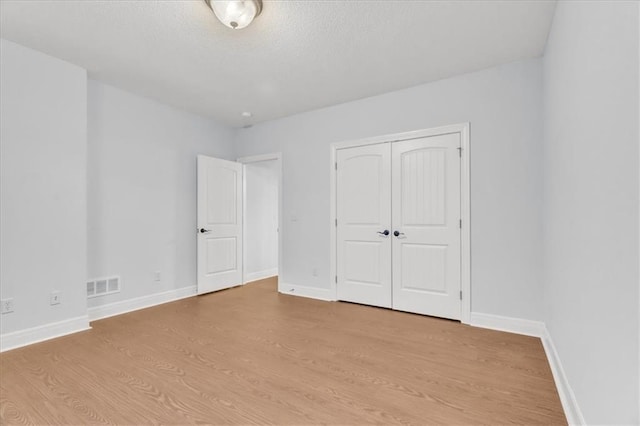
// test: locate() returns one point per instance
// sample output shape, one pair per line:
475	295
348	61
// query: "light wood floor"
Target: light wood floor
249	355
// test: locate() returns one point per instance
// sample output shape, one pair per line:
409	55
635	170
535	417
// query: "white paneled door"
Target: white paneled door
219	224
426	225
398	225
363	180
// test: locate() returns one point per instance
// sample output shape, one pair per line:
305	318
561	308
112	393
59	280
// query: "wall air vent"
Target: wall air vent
103	286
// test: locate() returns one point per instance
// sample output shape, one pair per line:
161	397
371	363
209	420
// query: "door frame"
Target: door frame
275	156
465	202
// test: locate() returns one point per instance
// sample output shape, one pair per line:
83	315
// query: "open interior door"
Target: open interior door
219	224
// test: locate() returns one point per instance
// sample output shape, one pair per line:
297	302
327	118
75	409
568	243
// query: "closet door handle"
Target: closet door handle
385	232
397	233
204	231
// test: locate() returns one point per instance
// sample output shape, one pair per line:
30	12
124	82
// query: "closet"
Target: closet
398	224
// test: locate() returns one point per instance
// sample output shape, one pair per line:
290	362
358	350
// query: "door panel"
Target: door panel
221	196
423	184
219	224
221	254
426	214
362	261
363	211
424	267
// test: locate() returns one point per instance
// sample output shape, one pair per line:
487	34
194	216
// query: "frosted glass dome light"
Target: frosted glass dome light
235	14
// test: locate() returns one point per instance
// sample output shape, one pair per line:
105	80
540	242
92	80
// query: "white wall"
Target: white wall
142	190
503	105
261	219
43	104
591	204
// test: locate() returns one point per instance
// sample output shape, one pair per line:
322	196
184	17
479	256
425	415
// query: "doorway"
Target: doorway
261	213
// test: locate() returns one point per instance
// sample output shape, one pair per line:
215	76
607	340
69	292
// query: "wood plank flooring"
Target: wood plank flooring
249	355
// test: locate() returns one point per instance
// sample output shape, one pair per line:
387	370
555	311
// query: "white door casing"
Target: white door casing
426	218
219	224
364	214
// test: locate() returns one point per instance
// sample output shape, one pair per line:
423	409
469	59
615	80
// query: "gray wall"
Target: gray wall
141	183
591	204
43	107
503	105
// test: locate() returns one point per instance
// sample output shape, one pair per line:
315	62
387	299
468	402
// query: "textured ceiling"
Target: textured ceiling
296	56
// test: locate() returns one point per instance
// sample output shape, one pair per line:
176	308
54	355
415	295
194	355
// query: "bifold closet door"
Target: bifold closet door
426	225
363	198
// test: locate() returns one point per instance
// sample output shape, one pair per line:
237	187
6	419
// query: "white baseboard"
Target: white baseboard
117	308
18	339
306	291
255	276
537	329
567	397
509	324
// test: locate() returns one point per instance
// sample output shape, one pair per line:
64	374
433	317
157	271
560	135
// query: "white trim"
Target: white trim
508	324
259	158
277	156
18	339
130	305
465	206
465	215
395	137
260	275
567	397
333	213
537	329
306	291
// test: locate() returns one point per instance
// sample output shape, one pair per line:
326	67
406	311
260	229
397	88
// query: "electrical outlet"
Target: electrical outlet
55	298
6	305
157	276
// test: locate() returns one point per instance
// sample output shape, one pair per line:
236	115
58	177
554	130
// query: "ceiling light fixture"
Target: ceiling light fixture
235	14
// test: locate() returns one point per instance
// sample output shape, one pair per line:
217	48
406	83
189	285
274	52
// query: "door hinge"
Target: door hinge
460	294
336	222
460	151
336	165
336	279
460	223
